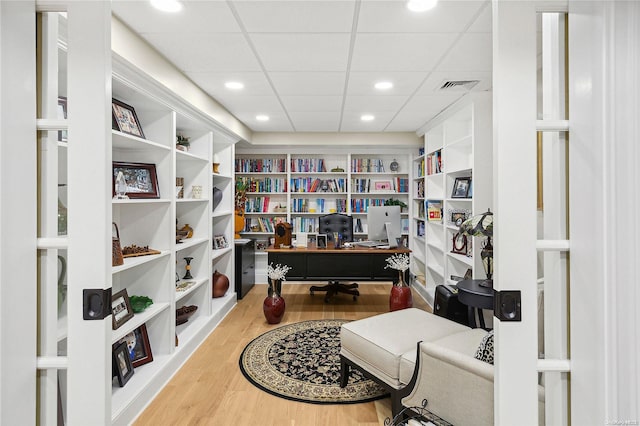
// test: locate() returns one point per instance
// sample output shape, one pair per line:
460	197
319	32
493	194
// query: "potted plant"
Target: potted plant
396	202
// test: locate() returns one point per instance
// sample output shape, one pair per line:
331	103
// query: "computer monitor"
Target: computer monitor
384	224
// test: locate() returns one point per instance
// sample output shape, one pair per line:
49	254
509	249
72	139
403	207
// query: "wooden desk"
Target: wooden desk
355	263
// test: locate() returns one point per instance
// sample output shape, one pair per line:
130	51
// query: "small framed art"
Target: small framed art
141	179
321	241
122	368
461	187
125	119
220	242
120	308
138	346
382	186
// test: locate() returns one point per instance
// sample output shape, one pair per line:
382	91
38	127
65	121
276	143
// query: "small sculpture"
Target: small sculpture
188	276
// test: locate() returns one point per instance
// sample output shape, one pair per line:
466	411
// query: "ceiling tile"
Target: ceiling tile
374	104
302	52
254	105
312	103
255	83
483	23
296	16
420	109
473	52
195	17
399	52
351	122
394	17
278	122
315	121
206	52
404	83
308	83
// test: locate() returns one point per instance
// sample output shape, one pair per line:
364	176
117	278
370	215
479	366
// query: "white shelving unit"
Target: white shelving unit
301	186
457	145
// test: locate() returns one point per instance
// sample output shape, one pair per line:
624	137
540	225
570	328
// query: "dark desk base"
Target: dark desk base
334	287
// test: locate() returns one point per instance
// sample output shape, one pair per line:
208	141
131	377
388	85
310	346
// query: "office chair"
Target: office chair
343	224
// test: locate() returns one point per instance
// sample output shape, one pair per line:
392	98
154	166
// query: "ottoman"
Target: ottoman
383	347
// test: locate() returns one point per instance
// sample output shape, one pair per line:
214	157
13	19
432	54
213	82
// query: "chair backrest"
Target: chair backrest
336	222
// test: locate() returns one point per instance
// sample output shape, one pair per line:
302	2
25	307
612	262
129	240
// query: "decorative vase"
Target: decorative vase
273	305
220	284
400	297
238	224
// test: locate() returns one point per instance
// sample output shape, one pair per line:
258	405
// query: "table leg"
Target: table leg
471	313
481	318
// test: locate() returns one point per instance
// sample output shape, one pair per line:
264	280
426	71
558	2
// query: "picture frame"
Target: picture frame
141	179
120	309
124	119
62	115
461	187
382	186
122	368
220	242
457	217
138	346
321	241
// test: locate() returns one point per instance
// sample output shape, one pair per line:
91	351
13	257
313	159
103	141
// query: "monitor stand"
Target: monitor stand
391	237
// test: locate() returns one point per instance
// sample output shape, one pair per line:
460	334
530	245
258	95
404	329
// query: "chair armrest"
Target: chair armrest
457	387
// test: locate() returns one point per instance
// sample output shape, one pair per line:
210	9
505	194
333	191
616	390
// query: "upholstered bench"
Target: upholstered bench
383	347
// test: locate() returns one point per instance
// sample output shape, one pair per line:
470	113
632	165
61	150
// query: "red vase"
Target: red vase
273	308
220	284
400	297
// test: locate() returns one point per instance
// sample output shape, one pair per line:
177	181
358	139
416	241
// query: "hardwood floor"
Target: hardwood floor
211	390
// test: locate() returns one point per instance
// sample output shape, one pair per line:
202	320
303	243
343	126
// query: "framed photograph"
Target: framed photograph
138	347
457	218
62	114
124	119
141	179
321	241
461	187
382	186
121	365
120	308
220	242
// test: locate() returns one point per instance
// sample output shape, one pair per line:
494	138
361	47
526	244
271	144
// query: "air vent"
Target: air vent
460	85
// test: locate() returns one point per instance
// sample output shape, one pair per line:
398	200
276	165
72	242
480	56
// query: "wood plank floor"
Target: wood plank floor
211	390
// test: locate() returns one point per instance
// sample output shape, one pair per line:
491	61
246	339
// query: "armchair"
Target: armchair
343	224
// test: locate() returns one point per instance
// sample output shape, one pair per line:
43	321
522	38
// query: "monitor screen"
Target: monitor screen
382	222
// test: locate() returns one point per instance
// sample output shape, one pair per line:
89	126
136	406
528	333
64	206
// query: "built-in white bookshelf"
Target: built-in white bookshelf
301	186
457	147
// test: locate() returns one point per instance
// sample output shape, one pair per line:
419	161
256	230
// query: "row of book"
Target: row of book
360	205
305	224
367	165
264	184
434	163
420	168
260	165
420	189
308	165
309	184
264	224
257	205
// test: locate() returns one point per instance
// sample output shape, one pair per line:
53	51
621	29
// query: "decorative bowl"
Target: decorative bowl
184	313
140	303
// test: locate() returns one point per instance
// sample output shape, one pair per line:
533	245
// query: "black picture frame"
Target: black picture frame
461	187
457	218
141	178
120	309
124	119
138	346
122	368
321	241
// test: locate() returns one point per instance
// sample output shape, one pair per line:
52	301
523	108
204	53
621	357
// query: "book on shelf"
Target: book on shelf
434	210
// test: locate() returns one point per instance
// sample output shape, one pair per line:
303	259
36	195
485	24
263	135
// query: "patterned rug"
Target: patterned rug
301	362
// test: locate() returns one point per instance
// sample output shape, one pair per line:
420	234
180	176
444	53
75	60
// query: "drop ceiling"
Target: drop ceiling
311	66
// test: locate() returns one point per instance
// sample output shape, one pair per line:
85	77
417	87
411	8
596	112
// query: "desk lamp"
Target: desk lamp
482	226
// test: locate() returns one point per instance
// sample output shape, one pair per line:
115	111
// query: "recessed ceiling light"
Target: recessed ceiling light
367	117
383	85
262	117
234	85
421	5
167	5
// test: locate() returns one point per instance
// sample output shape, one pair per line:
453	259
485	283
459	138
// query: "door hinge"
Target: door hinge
96	303
507	305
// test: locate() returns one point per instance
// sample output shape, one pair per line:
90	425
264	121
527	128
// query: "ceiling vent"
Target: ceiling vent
459	85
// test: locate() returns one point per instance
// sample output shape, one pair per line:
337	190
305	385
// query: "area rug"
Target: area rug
301	362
